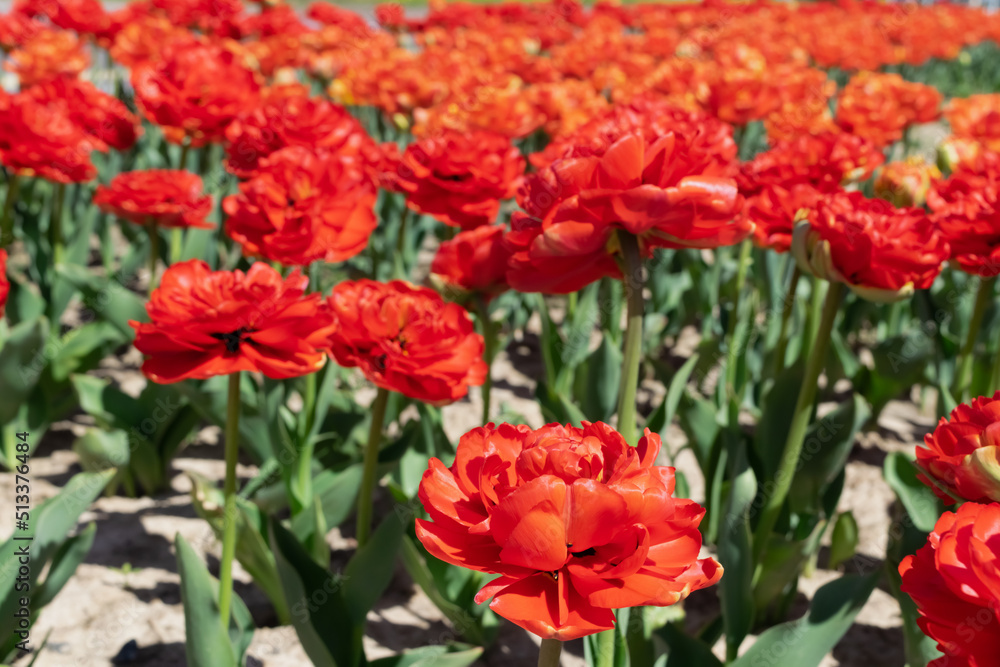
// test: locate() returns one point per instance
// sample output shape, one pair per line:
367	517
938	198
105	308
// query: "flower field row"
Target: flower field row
280	210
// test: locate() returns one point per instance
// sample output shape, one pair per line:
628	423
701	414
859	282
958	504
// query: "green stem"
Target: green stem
800	422
995	375
963	378
606	641
185	148
55	224
786	316
368	479
489	351
7	221
154	252
229	491
741	277
176	244
632	352
403	226
303	467
548	653
819	288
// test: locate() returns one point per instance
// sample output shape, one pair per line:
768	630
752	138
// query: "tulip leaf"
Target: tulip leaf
430	656
208	645
110	300
575	348
82	348
557	407
320	615
601	379
920	502
735	549
100	449
844	542
805	641
64	563
827	444
21	363
370	569
685	650
697	418
772	429
663	415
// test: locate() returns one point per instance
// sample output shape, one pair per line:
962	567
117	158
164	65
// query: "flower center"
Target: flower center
234	338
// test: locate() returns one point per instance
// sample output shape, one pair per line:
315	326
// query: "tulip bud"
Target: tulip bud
906	183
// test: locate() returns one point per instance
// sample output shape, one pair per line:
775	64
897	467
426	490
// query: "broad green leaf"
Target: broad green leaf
844	542
805	641
557	407
337	492
108	297
64	563
22	359
663	416
685	650
370	569
56	517
919	500
602	380
100	449
430	656
772	429
82	348
320	617
735	550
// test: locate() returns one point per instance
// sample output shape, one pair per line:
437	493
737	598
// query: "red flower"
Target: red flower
953	579
4	283
47	55
880	106
963	453
460	177
289	117
773	212
166	197
669	192
406	339
881	252
474	261
207	323
966	209
976	117
194	91
100	115
906	183
303	206
575	521
41	140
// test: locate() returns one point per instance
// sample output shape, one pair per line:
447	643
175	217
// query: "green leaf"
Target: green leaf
844	542
686	651
920	502
370	569
100	450
602	380
775	420
827	444
805	641
663	416
207	645
22	359
82	348
557	407
110	300
735	550
430	656
319	614
576	347
56	517
337	492
699	423
64	563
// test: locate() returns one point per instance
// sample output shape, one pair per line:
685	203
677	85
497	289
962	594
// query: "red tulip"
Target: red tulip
574	521
474	261
955	581
206	323
962	455
460	177
4	283
406	339
303	206
966	208
100	115
42	140
166	197
881	252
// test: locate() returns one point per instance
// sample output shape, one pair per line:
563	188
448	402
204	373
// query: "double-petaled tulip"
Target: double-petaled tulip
773	210
287	116
460	177
881	252
103	117
303	205
906	183
976	117
474	262
205	323
880	106
961	457
193	91
955	581
966	208
47	55
406	339
668	192
574	521
42	140
162	197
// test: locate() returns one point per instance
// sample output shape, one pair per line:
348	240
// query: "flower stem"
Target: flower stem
55	224
741	278
800	421
605	648
154	251
963	377
786	315
632	352
489	351
401	235
368	480
548	653
7	221
176	244
229	492
303	467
